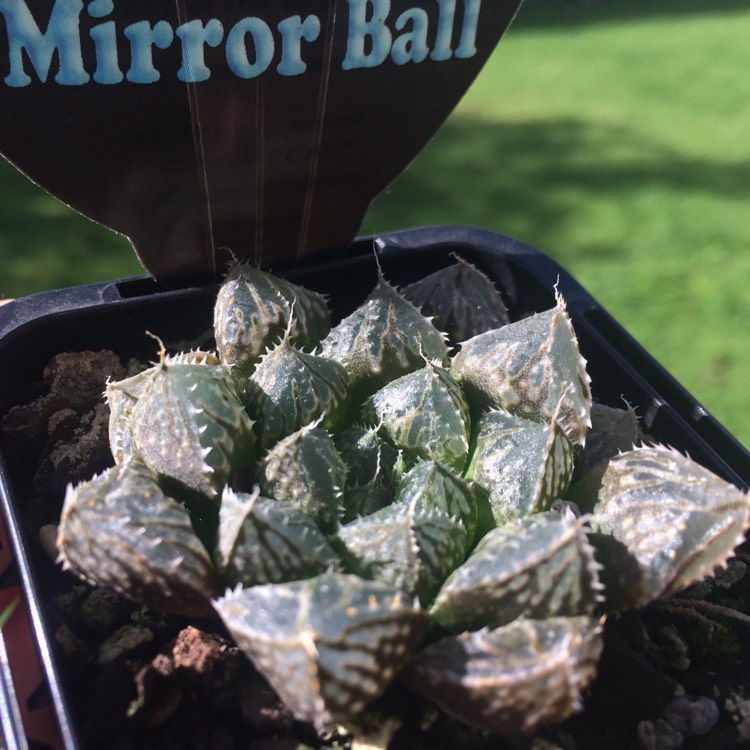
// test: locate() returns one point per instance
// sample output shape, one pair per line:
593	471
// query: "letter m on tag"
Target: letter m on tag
63	34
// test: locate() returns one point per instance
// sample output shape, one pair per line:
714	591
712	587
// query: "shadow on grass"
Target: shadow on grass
532	179
542	13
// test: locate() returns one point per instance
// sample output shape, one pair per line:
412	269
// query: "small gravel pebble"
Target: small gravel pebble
691	716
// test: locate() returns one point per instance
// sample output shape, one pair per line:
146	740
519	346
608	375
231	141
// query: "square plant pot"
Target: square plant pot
115	316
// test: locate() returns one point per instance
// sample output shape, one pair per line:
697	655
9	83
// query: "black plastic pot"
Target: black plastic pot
115	315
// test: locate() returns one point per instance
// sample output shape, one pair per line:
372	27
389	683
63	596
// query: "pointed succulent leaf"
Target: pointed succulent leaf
306	470
540	566
462	301
514	680
408	547
382	339
363	499
524	465
329	645
268	541
194	357
291	388
429	484
122	395
612	431
366	454
253	309
119	531
190	425
370	477
425	414
532	368
676	520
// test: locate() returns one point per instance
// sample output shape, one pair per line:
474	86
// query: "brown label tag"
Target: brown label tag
261	129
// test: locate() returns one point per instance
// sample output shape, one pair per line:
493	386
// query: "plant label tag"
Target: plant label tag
205	130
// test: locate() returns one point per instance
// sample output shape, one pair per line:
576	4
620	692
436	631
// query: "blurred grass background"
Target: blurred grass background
614	135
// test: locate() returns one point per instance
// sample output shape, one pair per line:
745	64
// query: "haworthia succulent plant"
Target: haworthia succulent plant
440	514
120	531
329	645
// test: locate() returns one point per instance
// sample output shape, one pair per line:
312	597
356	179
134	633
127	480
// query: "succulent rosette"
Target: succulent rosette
380	512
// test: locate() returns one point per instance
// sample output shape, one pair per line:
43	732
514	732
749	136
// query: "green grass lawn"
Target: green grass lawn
614	135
